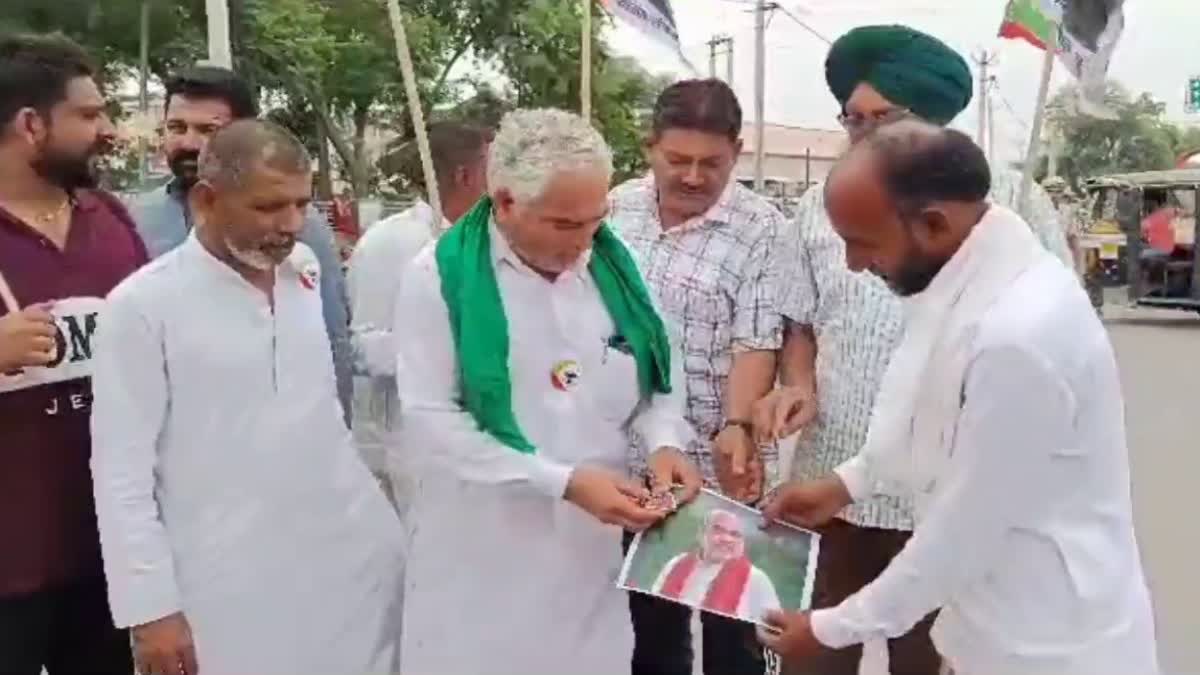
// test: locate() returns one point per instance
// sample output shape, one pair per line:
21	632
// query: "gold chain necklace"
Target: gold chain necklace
53	215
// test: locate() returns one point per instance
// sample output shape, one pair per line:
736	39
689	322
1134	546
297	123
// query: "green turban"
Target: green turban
908	67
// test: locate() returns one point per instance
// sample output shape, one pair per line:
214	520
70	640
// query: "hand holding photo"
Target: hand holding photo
715	555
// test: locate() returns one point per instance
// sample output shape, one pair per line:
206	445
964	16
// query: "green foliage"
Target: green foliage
541	56
1139	139
330	69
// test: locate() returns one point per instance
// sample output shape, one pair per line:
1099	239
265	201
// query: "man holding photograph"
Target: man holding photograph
529	350
1000	414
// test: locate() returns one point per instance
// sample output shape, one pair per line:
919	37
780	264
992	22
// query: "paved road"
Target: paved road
1159	354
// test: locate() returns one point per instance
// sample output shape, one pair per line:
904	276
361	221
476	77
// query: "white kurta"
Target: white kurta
373	281
504	576
227	486
1017	460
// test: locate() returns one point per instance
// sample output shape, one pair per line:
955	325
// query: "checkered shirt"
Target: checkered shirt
858	323
715	280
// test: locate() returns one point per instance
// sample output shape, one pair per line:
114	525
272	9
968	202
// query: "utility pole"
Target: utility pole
729	60
984	61
715	45
761	7
143	85
991	114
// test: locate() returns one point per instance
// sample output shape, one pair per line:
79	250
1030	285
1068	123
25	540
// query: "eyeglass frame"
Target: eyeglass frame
858	122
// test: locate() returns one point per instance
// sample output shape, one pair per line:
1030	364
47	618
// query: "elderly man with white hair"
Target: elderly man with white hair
529	349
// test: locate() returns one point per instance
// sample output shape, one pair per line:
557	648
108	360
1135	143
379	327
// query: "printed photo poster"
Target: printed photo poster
714	555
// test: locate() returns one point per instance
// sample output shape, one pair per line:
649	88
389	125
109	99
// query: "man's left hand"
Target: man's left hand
793	639
668	468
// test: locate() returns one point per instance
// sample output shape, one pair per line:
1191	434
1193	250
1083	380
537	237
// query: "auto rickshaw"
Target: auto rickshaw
1143	233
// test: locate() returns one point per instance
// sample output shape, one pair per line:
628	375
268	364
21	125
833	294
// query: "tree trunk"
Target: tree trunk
324	166
360	173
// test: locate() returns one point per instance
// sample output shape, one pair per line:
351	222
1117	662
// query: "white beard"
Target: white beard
253	259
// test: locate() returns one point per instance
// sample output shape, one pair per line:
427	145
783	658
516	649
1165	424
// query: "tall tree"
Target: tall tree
1139	139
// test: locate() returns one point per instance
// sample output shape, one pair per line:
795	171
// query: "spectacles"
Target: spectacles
855	122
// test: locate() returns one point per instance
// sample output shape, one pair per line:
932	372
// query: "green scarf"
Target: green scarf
480	326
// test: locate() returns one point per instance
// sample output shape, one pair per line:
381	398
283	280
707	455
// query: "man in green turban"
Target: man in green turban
879	74
900	67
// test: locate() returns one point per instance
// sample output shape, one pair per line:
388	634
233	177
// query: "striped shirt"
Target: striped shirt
857	321
715	280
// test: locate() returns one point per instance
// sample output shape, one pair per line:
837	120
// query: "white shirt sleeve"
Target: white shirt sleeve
1010	460
432	417
129	385
373	280
661	422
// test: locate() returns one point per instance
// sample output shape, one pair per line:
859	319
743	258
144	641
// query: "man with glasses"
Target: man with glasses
843	326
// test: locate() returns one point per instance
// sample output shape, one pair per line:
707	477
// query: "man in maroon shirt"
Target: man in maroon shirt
63	246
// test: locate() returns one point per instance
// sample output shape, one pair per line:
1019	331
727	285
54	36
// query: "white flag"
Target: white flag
1087	37
653	17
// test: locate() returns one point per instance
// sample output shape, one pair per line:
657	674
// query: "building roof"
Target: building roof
785	141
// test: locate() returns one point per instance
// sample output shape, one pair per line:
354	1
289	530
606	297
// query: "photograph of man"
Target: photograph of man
719	576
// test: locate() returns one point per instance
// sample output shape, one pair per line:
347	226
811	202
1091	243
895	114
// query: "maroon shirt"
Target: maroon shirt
47	516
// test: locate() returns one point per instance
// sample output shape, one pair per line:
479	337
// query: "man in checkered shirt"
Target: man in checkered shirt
707	248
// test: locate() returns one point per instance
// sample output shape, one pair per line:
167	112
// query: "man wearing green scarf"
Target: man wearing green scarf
843	327
530	352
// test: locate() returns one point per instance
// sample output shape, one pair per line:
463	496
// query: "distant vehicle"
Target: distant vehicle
1144	235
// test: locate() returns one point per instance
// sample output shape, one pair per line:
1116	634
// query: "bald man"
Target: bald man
241	532
1000	416
842	327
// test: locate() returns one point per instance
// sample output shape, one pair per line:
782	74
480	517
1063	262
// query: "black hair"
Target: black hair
707	105
921	163
35	71
453	145
213	82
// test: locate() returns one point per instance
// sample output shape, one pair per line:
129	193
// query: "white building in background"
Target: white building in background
794	158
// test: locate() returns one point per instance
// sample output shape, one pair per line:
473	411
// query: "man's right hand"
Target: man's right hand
611	499
164	647
27	338
809	503
783	412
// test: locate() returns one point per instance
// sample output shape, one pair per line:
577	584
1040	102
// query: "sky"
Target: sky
1153	55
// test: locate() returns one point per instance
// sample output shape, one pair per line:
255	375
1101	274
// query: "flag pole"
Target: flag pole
414	107
585	61
1035	132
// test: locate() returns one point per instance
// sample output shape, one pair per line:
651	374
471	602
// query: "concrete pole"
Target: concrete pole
585	63
760	80
729	61
143	86
1035	133
220	53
